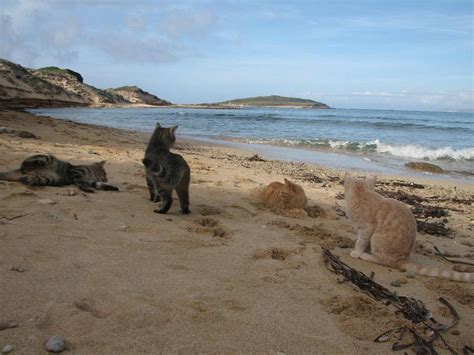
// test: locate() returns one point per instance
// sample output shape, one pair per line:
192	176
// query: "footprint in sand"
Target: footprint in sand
207	225
88	306
361	317
205	210
274	253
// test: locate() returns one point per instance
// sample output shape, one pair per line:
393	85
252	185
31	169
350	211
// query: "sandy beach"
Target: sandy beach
112	277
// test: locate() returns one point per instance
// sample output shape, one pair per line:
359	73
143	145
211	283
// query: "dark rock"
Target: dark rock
431	168
55	344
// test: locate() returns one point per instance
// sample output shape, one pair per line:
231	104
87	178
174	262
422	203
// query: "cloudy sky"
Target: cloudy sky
400	54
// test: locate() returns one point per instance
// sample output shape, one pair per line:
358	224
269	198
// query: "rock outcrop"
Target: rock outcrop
136	95
19	87
55	87
430	168
74	83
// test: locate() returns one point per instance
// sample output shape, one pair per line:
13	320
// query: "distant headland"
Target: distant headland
22	87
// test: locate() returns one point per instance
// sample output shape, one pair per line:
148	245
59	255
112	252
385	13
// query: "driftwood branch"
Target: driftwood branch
425	330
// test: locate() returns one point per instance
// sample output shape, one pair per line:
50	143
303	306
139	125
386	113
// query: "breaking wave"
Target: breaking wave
404	151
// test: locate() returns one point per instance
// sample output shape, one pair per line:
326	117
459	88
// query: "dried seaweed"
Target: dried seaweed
424	211
256	157
401	183
425	329
434	228
402	196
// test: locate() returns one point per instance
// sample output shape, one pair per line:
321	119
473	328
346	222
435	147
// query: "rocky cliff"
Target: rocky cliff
136	95
56	87
19	87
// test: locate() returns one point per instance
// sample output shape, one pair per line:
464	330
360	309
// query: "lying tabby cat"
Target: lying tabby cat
166	171
47	170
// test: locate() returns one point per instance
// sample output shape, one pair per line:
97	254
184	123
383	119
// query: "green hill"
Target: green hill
275	100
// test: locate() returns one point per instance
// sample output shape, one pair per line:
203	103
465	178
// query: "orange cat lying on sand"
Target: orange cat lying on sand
386	227
285	196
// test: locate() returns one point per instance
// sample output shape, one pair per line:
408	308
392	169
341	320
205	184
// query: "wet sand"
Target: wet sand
111	276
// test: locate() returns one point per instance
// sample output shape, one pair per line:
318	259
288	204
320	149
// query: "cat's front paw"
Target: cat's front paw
355	254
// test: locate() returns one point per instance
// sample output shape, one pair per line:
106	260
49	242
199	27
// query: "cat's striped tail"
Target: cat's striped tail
14	175
432	271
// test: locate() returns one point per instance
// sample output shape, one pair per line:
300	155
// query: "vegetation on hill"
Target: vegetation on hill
275	100
56	70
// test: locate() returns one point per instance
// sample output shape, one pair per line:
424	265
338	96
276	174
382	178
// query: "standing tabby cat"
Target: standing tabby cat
47	170
166	171
388	227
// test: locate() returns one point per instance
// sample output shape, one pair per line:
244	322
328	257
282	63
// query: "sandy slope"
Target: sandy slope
111	276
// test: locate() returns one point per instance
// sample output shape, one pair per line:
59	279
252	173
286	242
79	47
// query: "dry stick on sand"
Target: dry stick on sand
446	257
412	309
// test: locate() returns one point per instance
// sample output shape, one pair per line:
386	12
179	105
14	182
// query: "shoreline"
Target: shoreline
111	276
371	162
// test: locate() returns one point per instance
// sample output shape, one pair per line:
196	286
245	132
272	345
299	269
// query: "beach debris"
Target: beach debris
464	268
395	283
434	228
424	328
424	211
256	157
402	196
67	192
7	324
427	167
25	134
448	256
17	269
339	211
400	183
18	133
310	177
315	211
55	344
46	201
7	349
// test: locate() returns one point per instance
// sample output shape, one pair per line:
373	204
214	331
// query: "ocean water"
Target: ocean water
383	139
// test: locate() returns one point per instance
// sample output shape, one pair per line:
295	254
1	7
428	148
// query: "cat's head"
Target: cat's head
165	135
294	195
99	171
365	184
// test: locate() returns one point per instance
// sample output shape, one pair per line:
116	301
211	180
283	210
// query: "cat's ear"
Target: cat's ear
173	129
158	125
101	163
287	182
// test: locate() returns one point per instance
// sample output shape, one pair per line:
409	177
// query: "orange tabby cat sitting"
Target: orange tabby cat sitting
284	196
386	227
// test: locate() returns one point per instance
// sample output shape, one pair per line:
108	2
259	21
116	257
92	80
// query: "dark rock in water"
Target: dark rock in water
55	344
431	168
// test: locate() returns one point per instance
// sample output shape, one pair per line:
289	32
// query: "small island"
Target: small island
262	101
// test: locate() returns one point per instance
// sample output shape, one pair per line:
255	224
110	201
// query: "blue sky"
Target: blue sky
401	54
